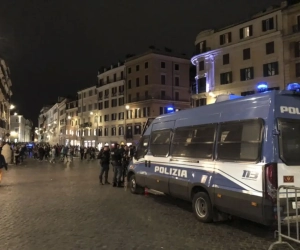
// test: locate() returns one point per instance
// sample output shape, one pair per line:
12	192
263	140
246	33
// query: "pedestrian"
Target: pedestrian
116	160
53	155
104	157
81	153
3	164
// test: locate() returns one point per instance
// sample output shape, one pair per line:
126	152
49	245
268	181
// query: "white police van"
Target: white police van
227	158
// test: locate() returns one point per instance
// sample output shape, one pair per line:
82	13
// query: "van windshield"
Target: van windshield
289	141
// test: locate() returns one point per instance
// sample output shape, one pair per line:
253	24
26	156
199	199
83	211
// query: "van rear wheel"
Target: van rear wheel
202	207
135	188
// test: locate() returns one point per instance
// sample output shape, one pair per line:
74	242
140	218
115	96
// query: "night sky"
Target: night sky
55	47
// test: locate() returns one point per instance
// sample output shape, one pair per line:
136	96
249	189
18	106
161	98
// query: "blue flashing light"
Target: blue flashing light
170	109
293	87
262	87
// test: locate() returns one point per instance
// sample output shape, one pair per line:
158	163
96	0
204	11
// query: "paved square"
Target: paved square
46	206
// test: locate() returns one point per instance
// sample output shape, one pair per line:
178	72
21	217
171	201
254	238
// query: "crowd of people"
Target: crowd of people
119	156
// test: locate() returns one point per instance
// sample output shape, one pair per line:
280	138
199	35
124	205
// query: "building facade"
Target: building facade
157	82
72	123
110	118
28	131
17	125
259	52
20	129
52	122
118	107
87	107
5	97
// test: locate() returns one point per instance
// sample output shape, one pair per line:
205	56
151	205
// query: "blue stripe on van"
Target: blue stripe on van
199	175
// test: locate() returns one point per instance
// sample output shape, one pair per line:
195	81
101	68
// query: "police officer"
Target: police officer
125	162
116	161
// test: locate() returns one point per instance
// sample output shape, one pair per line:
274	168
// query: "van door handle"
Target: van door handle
149	164
146	164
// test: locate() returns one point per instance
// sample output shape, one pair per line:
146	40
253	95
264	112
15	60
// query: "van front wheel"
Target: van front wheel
202	207
134	187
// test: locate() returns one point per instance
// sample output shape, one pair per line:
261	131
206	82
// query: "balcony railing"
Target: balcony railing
85	125
296	28
157	97
110	81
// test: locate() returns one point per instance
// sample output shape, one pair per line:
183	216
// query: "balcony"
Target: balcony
157	97
121	92
296	28
86	125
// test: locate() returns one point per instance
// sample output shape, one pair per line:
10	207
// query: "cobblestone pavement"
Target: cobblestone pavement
46	206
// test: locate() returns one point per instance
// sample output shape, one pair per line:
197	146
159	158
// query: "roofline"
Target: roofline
89	88
255	16
108	70
157	52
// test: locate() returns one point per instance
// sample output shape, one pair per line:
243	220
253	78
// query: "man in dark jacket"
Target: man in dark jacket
104	162
116	161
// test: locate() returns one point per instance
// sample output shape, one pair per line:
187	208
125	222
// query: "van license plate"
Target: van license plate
294	204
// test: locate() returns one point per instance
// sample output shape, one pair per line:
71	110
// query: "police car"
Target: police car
227	158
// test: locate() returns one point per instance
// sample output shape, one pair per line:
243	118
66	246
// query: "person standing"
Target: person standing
81	153
53	155
3	164
116	160
104	157
6	151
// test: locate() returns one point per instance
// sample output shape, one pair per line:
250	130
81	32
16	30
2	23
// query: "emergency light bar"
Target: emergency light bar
293	87
262	87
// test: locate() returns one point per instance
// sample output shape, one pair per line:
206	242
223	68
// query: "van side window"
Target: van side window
240	141
142	147
194	142
160	142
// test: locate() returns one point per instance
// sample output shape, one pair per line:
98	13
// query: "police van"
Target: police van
227	158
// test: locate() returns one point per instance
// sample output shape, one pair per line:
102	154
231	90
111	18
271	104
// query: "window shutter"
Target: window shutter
198	48
242	74
265	69
276	67
229	37
252	72
264	25
297	69
221	39
230	77
297	51
251	30
241	33
271	23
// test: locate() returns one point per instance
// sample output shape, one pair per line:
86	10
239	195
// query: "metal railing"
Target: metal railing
292	215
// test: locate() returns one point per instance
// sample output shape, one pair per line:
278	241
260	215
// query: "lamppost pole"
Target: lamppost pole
127	107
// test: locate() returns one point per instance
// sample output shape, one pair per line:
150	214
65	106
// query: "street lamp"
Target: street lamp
127	107
69	117
11	106
91	113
